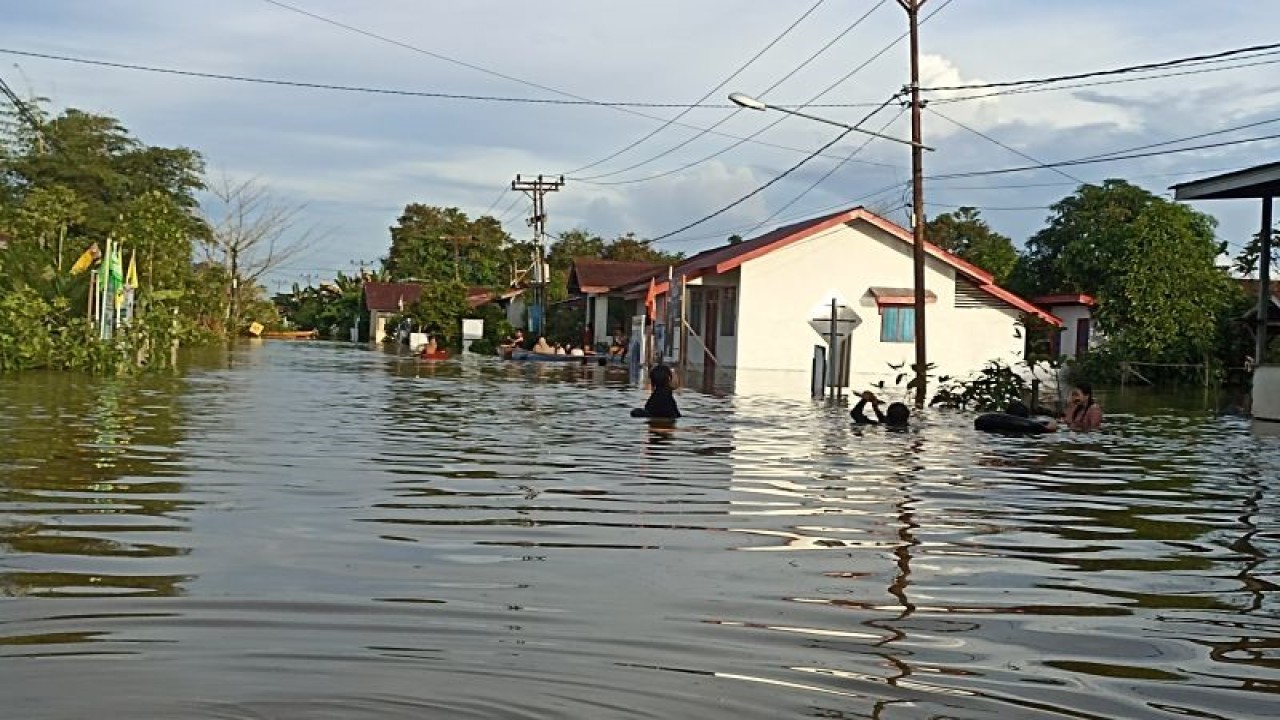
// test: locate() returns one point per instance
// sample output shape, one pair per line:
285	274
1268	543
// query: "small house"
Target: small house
596	281
1079	330
749	305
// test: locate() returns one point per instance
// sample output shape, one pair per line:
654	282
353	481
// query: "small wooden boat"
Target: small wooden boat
290	334
594	359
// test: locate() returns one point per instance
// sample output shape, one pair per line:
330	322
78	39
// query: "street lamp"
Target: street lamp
750	103
918	239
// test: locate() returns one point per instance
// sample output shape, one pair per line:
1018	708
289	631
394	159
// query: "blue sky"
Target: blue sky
355	160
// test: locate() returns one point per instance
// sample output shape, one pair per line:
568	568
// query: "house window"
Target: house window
728	311
898	323
695	310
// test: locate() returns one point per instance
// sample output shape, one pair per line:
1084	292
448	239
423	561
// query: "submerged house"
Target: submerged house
383	300
749	305
595	281
1079	331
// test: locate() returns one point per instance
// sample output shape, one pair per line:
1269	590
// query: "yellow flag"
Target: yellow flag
87	259
131	278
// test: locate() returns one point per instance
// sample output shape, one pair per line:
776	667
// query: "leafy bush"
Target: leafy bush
995	387
484	346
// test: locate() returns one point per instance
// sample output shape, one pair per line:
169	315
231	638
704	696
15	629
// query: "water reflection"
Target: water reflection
477	538
90	471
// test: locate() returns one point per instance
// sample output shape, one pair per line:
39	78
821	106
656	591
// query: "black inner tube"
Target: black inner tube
1004	422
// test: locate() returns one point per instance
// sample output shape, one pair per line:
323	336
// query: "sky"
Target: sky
354	160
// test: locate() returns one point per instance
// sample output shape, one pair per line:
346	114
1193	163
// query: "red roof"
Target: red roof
727	257
596	276
390	297
1078	299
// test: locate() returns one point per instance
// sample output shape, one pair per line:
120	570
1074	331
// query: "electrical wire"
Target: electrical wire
838	165
1102	73
393	91
1076	86
685	143
445	58
755	192
786	31
1112	158
1013	150
752	137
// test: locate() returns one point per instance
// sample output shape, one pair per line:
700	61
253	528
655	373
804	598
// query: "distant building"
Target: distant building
384	300
1079	332
597	280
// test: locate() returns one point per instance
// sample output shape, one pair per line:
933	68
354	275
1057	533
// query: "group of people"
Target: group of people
542	347
1082	413
617	345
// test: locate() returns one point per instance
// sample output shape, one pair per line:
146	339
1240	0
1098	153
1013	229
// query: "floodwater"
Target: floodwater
323	531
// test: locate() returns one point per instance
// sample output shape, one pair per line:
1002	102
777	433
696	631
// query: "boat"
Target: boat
437	355
290	334
519	355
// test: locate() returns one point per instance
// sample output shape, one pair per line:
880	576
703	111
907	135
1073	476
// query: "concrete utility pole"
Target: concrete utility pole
917	199
1264	283
537	190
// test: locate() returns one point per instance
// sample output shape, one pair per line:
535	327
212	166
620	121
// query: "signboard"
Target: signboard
847	320
472	328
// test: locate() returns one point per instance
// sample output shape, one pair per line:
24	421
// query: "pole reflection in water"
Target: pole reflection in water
322	530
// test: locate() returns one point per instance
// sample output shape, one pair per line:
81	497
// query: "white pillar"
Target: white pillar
601	324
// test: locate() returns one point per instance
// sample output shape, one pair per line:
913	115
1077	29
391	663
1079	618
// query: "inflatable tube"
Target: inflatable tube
1006	423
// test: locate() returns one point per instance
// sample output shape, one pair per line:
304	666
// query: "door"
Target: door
1082	336
710	330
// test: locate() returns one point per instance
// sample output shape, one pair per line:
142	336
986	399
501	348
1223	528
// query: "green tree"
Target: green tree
439	245
966	235
1150	263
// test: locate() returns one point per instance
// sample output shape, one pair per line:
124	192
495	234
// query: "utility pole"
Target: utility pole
537	190
917	199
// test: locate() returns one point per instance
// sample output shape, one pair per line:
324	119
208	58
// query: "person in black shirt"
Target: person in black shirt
661	403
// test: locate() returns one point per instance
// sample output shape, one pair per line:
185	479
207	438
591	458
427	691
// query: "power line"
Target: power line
814	56
755	192
752	137
1013	150
1098	83
838	165
1191	137
472	66
393	91
1112	158
786	31
1102	73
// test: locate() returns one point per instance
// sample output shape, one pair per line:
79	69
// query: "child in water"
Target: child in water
898	415
661	403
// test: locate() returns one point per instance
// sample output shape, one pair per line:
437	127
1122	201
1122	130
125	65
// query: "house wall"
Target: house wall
378	326
1070	314
779	291
726	346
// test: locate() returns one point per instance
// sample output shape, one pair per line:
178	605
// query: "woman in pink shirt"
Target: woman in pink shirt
1083	412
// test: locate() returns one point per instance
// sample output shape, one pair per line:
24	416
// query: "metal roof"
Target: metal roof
1260	181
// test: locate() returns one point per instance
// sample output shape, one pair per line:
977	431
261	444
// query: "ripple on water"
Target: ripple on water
311	530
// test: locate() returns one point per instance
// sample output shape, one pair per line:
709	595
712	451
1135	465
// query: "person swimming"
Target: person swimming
1083	412
661	403
896	415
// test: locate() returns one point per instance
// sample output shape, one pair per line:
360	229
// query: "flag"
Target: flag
86	260
115	273
131	278
651	300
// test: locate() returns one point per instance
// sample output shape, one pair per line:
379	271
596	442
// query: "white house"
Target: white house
749	304
1079	331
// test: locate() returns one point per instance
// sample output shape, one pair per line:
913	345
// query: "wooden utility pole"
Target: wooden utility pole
537	190
1264	283
917	200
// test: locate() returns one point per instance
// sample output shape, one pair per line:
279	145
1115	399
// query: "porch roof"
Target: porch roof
899	296
1259	181
595	276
